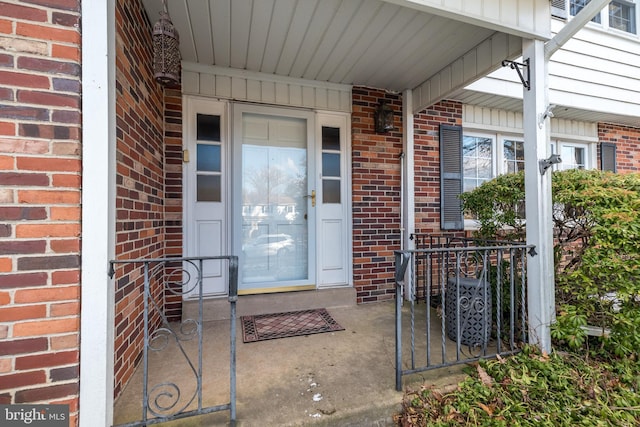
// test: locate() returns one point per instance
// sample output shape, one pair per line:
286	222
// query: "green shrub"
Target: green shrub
596	217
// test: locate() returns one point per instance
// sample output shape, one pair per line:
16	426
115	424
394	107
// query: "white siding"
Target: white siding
519	17
493	119
267	89
597	70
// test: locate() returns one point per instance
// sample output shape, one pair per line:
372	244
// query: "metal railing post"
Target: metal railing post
402	261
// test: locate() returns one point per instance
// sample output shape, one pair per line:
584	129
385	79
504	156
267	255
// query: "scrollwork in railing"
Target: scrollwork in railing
182	279
164	398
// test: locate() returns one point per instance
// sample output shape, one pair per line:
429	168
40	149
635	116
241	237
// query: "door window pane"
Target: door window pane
208	127
330	191
208	158
330	164
274	203
208	188
330	138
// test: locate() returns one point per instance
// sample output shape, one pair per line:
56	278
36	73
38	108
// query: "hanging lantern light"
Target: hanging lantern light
383	117
166	50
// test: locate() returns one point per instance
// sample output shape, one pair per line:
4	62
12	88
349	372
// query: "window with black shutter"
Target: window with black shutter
608	156
451	177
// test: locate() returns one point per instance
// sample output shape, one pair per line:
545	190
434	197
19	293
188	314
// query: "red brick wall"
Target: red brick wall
627	140
40	170
376	196
173	188
427	162
140	194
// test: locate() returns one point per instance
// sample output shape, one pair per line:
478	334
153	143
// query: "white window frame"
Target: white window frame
604	17
494	166
498	160
590	152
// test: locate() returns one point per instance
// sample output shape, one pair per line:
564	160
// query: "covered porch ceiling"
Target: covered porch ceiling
388	44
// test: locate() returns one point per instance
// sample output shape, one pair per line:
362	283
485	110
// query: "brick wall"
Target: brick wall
173	188
140	160
376	196
627	140
427	162
39	202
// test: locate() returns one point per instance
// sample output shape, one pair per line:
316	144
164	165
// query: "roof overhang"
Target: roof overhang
430	47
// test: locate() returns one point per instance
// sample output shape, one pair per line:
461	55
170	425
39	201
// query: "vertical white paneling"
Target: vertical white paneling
207	84
308	96
484	55
255	87
223	86
492	9
295	95
254	90
282	93
530	16
470	64
333	100
474	65
499	120
238	88
190	82
268	92
321	98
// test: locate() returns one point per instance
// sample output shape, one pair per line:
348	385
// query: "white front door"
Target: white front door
274	212
271	188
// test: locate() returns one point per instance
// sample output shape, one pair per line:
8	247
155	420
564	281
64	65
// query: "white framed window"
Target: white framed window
574	155
486	155
478	160
620	15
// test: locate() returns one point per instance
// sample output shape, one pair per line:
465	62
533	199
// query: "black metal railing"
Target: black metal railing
166	399
466	298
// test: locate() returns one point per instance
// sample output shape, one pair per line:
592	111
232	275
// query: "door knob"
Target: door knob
312	196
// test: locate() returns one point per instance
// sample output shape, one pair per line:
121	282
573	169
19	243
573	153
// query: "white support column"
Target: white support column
98	212
408	174
540	275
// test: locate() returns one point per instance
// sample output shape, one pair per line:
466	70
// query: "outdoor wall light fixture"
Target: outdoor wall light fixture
166	50
383	117
545	164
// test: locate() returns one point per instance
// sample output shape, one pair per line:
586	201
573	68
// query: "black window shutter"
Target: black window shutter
451	178
559	9
608	156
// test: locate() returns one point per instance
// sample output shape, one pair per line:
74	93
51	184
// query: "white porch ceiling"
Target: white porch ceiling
357	42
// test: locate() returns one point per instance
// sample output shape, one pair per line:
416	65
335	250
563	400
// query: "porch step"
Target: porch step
218	308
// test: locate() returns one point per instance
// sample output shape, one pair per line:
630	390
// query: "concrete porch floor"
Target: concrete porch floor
344	378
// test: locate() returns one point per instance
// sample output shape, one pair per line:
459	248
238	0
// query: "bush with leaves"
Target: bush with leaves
532	389
596	218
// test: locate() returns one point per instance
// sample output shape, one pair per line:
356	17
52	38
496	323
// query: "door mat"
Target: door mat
290	324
